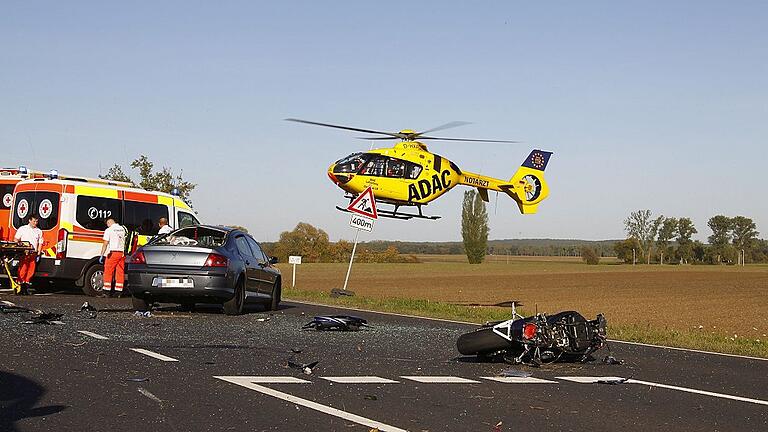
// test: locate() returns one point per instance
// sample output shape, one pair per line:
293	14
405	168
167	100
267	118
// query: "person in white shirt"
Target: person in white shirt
31	234
164	227
113	257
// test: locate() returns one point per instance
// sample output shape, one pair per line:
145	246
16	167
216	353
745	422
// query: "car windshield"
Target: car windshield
193	236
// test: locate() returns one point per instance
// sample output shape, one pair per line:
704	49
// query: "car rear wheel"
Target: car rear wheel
235	305
140	304
94	281
276	292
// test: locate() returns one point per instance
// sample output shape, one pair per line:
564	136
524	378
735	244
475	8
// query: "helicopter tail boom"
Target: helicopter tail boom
527	187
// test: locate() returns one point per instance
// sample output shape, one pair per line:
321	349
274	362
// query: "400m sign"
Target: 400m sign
361	222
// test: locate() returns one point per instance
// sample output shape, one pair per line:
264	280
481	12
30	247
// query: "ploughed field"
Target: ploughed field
723	308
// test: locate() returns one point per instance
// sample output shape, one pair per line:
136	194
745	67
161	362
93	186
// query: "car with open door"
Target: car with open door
203	264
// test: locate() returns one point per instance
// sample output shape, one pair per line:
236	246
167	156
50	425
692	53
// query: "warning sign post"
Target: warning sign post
364	213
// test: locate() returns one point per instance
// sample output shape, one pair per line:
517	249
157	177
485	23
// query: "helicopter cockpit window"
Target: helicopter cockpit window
351	163
412	170
375	167
395	168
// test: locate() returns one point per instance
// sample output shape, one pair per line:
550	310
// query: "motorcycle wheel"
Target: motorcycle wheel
483	341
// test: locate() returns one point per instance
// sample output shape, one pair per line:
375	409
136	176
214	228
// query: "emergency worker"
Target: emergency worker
164	227
34	236
113	258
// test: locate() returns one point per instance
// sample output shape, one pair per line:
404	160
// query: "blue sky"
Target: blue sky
658	105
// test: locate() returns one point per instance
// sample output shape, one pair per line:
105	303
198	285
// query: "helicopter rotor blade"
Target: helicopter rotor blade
467	140
377	138
448	125
343	127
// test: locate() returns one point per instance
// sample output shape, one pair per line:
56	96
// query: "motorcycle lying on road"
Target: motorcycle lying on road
538	339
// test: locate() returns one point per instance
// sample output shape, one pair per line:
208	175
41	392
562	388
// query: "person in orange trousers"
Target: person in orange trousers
113	258
31	234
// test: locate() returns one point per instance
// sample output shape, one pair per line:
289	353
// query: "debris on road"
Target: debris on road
613	381
88	310
337	322
611	360
148	394
145	314
497	427
141	379
45	318
305	368
10	307
262	319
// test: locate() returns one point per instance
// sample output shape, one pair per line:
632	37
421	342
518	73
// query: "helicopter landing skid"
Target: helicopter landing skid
396	214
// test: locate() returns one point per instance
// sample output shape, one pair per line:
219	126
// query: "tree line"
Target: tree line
669	240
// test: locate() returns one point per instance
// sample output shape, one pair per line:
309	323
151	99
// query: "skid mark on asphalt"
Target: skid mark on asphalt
248	383
590	380
154	354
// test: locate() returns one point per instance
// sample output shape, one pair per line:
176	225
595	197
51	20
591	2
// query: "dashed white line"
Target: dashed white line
93	335
154	354
440	379
267	379
588	379
246	382
520	380
360	380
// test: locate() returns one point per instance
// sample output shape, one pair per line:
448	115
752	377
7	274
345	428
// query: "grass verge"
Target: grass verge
648	334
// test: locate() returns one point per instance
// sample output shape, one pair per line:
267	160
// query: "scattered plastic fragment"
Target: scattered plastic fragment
514	373
148	394
337	322
611	360
370	397
497	427
262	319
88	310
306	368
145	314
10	307
45	318
140	379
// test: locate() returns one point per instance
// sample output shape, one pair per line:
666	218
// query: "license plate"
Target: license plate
161	282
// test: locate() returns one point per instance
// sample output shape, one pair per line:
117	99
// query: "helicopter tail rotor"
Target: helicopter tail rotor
528	187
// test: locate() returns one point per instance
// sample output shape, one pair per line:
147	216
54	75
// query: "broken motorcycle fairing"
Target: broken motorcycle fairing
336	322
538	339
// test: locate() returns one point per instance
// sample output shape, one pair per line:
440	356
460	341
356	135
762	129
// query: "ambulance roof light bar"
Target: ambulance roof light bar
53	174
23	170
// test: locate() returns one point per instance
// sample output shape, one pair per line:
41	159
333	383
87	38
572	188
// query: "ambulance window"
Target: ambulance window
187	219
44	205
375	167
92	212
143	217
6	196
412	170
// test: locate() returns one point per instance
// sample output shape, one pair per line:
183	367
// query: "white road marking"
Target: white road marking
246	382
93	335
154	354
266	379
520	380
440	379
701	392
689	350
360	380
476	324
588	380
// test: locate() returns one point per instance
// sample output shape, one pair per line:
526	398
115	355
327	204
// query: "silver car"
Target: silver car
203	264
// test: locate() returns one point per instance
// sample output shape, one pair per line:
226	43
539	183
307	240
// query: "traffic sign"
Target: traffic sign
361	222
364	205
294	259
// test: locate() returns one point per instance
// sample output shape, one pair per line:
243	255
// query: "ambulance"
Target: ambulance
8	179
72	213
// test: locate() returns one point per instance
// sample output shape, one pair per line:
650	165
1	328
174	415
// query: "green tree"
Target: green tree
161	181
721	250
589	255
685	230
744	234
666	234
474	227
624	249
305	240
641	226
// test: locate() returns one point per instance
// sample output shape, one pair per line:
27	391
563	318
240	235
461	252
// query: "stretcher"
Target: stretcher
12	251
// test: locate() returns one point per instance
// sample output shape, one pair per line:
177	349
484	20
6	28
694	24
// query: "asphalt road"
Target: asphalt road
207	371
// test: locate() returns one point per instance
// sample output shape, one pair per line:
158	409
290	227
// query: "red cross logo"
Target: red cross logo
45	208
23	208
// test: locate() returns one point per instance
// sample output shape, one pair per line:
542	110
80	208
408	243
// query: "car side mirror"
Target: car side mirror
273	260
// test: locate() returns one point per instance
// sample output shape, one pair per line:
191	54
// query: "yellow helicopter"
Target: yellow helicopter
410	175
